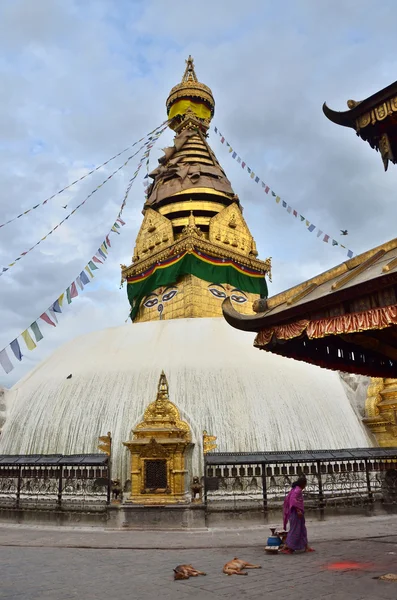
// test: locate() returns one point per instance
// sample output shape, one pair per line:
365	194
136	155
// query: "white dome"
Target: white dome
251	400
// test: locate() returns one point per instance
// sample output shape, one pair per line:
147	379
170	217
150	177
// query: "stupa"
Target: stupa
194	249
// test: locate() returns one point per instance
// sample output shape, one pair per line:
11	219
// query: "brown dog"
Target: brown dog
237	566
186	571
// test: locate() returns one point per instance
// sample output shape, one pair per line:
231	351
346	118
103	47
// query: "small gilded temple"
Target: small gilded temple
193	251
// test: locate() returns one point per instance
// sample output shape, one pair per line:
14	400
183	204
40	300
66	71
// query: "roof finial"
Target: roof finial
189	74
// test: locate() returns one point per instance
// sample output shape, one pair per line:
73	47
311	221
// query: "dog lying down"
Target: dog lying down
186	571
237	566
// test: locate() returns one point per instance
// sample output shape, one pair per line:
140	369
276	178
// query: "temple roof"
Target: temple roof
375	121
354	301
348	118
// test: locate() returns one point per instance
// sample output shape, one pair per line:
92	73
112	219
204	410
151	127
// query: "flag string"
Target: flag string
309	226
81	178
147	144
32	335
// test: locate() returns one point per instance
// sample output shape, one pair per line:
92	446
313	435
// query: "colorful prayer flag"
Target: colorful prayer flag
5	361
350	253
36	331
47	319
73	291
16	349
60	299
92	266
79	282
311	227
84	278
326	238
68	296
30	345
96	259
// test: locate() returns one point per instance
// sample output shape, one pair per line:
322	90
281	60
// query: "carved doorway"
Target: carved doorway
156	475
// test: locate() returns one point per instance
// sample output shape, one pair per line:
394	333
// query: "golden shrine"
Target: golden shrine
194	247
158	448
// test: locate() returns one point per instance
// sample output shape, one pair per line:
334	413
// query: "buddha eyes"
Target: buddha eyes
217	293
150	302
153	300
234	296
169	295
239	299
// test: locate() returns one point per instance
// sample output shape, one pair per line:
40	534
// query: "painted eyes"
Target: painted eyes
154	300
169	295
217	293
150	302
238	299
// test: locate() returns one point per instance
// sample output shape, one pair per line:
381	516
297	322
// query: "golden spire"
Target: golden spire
190	98
189	74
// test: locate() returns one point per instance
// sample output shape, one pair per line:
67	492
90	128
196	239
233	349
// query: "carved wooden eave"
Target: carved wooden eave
374	120
303	322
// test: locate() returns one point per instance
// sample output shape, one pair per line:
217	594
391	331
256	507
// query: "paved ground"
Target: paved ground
61	564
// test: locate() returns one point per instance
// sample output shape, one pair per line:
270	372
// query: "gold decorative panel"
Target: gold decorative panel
229	229
192	297
158	448
154	235
381	410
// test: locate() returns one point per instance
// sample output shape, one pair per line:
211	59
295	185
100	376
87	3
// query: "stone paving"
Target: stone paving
61	564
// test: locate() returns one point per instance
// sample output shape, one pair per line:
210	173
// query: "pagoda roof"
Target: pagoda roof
348	118
343	319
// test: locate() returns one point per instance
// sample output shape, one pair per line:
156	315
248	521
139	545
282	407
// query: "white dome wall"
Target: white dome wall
251	400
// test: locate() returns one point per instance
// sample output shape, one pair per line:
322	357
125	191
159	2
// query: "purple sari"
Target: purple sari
297	535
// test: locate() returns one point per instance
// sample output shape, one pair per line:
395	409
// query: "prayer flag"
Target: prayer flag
267	190
350	254
121	222
289	209
53	315
101	253
234	154
56	307
334	243
5	361
295	213
96	259
311	227
47	319
92	266
230	149
84	278
243	165
27	338
69	299
108	241
239	159
222	140
79	282
326	238
302	217
36	331
87	268
256	179
16	349
216	129
319	233
284	204
103	248
248	169
115	230
73	291
307	223
278	199
60	299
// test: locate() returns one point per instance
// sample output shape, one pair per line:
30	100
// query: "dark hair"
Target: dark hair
301	481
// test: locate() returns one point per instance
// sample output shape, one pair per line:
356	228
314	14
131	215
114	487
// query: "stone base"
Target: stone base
142	516
56	518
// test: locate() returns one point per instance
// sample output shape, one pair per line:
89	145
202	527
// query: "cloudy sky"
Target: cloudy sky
83	79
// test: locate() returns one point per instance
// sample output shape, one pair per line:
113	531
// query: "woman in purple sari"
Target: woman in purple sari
294	512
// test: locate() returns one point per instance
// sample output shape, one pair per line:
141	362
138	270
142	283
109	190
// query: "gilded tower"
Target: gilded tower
194	247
